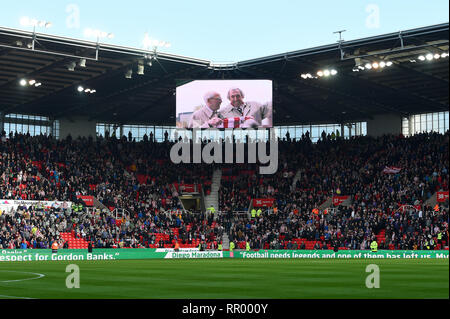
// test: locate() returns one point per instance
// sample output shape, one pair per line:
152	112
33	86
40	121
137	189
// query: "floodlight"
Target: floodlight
333	72
429	57
82	63
71	66
23	82
382	64
31	82
140	70
422	58
389	63
368	66
320	73
80	89
326	73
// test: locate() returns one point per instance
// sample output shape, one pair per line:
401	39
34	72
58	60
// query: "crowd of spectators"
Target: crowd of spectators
39	228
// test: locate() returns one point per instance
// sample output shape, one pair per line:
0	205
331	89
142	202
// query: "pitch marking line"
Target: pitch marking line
14	297
23	272
38	276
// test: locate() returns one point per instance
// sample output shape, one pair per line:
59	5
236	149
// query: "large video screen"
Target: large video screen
224	104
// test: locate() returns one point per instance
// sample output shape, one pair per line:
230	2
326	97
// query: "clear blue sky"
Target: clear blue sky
228	31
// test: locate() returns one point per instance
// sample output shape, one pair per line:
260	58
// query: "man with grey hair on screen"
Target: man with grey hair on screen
208	116
260	115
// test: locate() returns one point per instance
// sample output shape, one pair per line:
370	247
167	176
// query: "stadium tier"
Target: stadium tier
137	195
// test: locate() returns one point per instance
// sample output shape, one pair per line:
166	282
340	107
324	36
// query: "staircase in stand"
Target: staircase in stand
213	198
297	177
225	242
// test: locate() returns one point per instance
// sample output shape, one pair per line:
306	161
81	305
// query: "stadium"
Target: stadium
87	180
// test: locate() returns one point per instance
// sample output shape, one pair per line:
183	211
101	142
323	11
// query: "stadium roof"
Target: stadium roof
409	86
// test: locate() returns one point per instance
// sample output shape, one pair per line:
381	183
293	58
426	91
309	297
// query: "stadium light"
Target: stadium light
320	73
433	56
71	66
376	65
128	74
82	89
82	63
140	69
30	82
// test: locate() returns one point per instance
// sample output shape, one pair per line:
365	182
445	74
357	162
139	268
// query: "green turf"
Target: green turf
212	279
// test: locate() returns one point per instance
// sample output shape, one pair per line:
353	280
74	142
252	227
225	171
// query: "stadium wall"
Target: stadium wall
384	124
77	127
27	255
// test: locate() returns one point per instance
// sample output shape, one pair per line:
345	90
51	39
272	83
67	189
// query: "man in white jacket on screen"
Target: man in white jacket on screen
208	116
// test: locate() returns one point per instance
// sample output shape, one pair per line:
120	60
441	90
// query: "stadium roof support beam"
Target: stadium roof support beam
347	44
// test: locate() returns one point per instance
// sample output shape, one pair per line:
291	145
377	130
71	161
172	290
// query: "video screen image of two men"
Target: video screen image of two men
224	104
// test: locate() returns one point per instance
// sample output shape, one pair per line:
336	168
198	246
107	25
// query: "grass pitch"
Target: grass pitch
226	279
